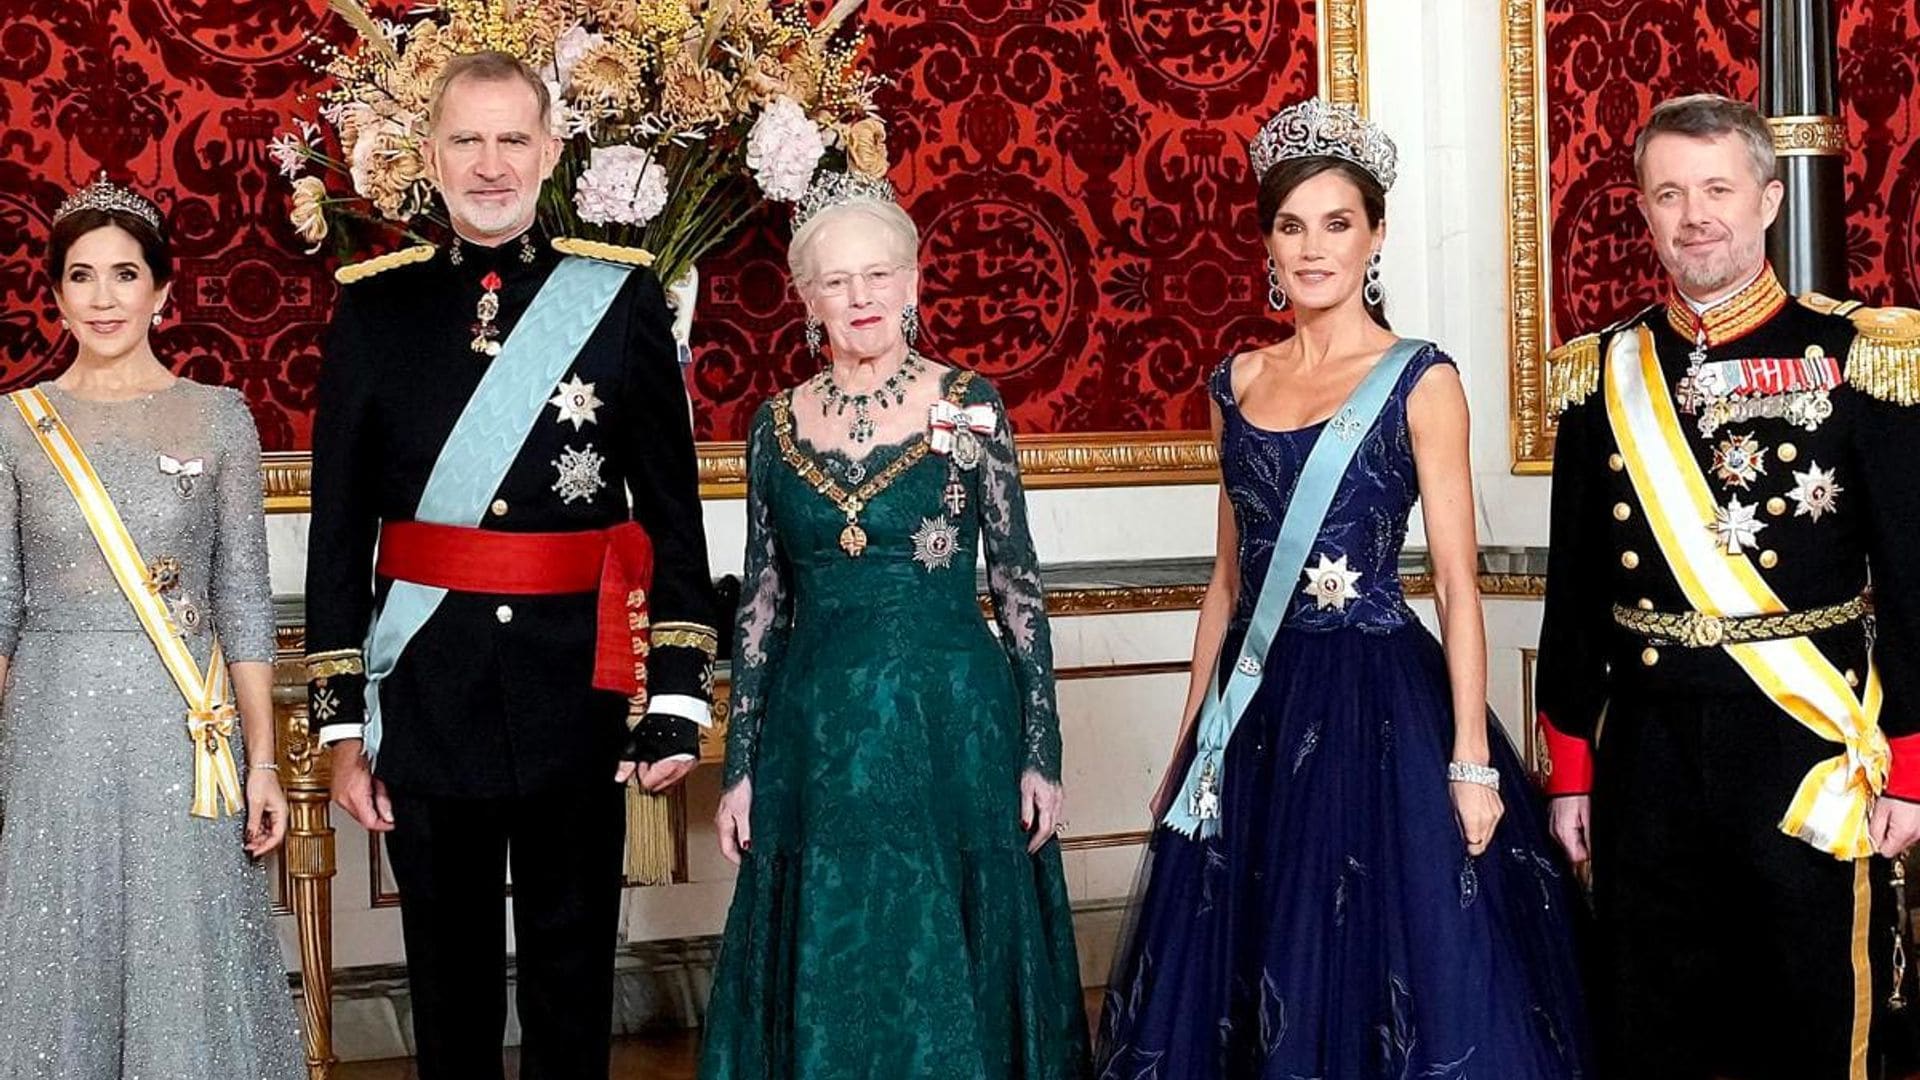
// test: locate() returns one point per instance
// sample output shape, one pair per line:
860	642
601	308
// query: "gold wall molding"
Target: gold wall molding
1343	52
1104	459
1808	136
1522	44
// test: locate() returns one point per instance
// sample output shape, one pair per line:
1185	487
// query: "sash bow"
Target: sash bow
946	420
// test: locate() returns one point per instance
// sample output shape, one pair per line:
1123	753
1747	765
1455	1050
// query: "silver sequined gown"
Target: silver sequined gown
135	939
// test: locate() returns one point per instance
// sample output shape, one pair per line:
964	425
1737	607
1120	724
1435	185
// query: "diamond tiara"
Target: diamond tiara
1314	128
831	188
104	194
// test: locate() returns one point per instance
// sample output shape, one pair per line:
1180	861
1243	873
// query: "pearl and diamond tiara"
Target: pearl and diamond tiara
104	194
1314	128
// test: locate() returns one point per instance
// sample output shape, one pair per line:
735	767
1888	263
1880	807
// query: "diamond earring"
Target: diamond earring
813	336
910	323
1276	296
158	317
1373	292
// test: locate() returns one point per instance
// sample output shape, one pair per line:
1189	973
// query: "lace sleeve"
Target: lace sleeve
766	610
1019	603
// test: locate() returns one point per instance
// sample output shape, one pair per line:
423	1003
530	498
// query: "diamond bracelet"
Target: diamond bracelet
1466	772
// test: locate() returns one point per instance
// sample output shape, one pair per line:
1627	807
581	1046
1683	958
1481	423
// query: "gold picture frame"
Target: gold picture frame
1529	316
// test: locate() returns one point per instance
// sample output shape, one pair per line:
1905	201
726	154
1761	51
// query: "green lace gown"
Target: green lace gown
888	921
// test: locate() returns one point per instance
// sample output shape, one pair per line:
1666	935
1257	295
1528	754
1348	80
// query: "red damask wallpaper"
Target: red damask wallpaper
1609	61
1078	168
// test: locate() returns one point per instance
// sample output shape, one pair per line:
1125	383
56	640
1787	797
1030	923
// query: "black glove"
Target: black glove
659	736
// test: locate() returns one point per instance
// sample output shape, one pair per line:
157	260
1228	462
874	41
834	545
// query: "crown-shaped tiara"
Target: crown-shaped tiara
104	194
831	188
1314	128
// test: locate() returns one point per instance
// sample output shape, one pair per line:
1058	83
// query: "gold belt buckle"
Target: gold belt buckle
1703	631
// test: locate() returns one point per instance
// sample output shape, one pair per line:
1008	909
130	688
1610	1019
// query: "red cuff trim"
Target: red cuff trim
1903	777
1570	761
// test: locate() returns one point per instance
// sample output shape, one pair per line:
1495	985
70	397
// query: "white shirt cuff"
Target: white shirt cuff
684	706
334	733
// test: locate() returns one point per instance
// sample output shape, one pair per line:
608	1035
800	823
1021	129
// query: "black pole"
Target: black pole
1799	93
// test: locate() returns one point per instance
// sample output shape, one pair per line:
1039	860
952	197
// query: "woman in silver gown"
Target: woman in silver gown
135	938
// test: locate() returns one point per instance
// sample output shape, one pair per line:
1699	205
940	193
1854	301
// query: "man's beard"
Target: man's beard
1718	272
494	220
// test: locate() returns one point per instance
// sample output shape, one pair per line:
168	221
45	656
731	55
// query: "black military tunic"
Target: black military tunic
1726	946
493	738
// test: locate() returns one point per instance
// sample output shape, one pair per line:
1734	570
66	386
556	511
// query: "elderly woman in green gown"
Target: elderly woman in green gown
893	769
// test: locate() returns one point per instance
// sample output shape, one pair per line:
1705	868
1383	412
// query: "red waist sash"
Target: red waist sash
616	563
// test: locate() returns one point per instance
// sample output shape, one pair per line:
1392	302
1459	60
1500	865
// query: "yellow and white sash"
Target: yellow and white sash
1831	807
210	711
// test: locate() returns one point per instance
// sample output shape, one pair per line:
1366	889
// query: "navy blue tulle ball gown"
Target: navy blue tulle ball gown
1336	927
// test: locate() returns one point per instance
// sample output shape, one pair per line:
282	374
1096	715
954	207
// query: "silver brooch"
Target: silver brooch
1346	425
935	542
966	450
183	472
579	473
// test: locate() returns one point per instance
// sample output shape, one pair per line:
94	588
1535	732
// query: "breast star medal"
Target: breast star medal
1736	526
183	472
1739	460
187	615
1814	492
579	473
163	575
934	543
486	336
1331	584
576	402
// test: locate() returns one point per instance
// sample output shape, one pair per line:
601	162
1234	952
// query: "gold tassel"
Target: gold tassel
1885	359
1573	373
651	848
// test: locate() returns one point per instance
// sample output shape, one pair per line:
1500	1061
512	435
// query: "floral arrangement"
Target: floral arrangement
679	117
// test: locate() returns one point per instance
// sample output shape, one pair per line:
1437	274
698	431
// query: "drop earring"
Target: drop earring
1276	296
1373	292
910	324
813	336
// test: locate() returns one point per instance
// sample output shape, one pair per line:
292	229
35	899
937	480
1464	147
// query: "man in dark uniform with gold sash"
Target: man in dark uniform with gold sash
1729	667
508	429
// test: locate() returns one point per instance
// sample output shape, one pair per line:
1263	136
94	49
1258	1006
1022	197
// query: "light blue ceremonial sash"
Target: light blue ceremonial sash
1196	810
487	438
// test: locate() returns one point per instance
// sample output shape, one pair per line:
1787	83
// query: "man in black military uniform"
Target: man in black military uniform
501	708
1731	722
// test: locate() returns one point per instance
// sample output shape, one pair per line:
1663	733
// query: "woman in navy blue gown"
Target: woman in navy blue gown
1355	884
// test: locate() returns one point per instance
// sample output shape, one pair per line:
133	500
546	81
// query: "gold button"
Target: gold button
1616	462
1621	511
1645	604
499	508
1630	559
1650	657
1788	451
503	613
1769	559
1853	677
1776	506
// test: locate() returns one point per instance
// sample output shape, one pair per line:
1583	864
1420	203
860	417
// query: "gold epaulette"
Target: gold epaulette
594	249
366	268
1885	359
1827	305
1573	373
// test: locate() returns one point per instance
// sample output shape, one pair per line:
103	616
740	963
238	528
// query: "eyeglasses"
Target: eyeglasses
879	277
